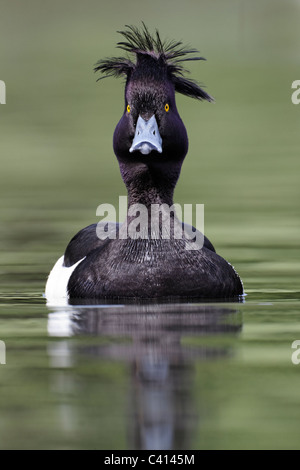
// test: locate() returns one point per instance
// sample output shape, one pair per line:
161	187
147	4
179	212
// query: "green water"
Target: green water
213	376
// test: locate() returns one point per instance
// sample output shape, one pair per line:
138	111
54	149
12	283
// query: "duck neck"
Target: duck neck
148	185
150	215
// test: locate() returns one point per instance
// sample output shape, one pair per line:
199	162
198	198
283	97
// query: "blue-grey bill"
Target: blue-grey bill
147	136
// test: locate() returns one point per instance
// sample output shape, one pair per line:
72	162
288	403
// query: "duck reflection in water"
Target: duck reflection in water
161	410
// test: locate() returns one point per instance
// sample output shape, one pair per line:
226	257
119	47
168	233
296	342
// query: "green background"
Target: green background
57	162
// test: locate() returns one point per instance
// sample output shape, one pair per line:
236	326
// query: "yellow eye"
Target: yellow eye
167	107
128	108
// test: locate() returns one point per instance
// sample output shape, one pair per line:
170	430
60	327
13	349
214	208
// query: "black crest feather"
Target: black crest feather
170	54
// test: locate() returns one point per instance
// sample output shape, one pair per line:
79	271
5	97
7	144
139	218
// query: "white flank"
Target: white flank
56	291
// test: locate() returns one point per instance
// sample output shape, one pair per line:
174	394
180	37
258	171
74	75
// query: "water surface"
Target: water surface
159	376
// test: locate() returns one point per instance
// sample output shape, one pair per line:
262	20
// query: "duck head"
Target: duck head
150	130
150	133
